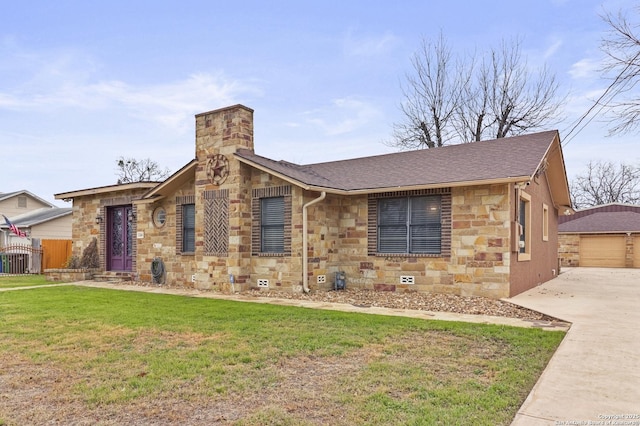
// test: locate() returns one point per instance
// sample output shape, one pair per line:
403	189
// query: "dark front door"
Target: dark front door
119	238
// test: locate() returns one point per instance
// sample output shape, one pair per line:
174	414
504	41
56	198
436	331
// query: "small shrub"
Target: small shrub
73	262
90	258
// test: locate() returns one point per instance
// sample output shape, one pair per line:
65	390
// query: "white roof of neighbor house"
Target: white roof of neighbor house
8	195
37	217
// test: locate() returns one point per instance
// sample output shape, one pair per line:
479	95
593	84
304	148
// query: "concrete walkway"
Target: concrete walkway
594	376
445	316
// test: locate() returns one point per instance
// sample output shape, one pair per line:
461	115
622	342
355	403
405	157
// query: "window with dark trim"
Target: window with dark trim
272	225
188	228
271	221
410	225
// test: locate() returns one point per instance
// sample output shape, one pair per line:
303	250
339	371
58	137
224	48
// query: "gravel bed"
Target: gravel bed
413	300
433	302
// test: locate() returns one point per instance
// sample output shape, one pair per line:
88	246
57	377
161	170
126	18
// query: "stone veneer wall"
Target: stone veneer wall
481	257
476	264
338	241
160	242
569	249
84	213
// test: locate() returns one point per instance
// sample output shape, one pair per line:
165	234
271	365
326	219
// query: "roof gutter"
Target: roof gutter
305	241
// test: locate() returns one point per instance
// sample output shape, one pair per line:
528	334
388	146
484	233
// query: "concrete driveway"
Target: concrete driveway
594	376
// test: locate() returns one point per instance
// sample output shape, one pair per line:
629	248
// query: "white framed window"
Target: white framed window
159	217
524	222
545	222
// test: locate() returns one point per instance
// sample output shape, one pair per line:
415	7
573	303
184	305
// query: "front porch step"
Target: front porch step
113	276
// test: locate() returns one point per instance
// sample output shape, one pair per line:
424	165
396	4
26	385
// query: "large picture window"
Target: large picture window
188	228
410	225
272	225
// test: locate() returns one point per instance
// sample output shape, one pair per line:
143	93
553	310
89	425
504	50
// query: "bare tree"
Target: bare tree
606	182
431	95
622	47
454	100
134	170
520	101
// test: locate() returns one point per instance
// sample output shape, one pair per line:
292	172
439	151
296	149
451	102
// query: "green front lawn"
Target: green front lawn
96	354
8	281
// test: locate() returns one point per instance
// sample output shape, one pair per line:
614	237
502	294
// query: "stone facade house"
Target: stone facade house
471	219
601	236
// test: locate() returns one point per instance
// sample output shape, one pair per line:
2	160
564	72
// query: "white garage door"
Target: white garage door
603	251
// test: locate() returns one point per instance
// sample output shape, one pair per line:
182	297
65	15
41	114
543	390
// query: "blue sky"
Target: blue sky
82	83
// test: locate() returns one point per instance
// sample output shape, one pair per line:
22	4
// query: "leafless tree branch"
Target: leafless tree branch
466	100
621	44
604	183
145	170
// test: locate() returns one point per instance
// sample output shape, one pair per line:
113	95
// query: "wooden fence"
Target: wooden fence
56	253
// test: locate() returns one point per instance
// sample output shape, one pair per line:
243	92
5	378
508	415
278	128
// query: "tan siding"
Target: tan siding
607	251
636	252
10	207
56	229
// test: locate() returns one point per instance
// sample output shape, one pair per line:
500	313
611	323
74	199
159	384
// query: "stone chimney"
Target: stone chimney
219	134
223	194
223	131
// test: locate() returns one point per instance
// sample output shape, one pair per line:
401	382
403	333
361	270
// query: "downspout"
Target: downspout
305	242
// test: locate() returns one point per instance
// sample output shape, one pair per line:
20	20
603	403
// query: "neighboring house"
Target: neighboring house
33	215
602	236
470	219
19	202
48	230
47	223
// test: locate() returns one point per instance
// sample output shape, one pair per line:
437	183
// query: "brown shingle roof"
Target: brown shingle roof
499	159
621	221
614	217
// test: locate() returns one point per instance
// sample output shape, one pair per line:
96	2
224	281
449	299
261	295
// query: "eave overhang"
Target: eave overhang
360	191
66	196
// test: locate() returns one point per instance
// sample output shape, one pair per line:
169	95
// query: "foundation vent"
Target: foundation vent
407	279
263	283
322	279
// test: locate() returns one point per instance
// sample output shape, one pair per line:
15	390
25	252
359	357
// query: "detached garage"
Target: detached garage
605	251
605	236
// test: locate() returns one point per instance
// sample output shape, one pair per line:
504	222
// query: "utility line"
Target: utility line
568	138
